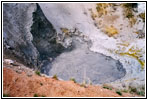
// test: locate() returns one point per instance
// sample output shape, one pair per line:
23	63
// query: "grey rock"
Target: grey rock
28	36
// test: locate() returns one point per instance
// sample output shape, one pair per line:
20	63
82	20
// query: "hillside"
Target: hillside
19	81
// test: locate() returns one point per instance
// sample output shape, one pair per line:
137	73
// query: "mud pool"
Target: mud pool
85	66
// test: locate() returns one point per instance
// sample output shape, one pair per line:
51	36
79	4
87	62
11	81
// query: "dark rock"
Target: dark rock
44	36
28	36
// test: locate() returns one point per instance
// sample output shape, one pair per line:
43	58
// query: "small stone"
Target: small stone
29	75
14	64
18	71
123	85
8	61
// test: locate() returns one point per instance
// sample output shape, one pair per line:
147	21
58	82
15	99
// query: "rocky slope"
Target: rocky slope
28	35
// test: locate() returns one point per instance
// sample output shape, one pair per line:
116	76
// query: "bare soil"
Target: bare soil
23	85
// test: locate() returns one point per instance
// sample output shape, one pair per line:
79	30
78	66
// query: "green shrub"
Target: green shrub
35	95
72	79
83	85
118	92
142	93
55	77
38	73
133	90
5	95
105	87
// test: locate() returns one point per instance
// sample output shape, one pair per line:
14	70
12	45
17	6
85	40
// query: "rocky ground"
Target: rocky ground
20	81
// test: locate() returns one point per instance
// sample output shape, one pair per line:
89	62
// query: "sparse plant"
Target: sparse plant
105	87
5	95
136	91
142	93
125	91
83	85
143	88
43	96
41	84
35	95
55	77
119	92
133	89
72	79
38	73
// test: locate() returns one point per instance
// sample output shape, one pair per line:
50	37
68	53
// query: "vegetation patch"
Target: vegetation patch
5	95
72	79
105	86
133	90
55	77
41	84
136	91
83	85
38	73
142	93
35	95
119	92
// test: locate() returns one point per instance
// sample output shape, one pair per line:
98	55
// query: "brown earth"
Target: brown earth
22	85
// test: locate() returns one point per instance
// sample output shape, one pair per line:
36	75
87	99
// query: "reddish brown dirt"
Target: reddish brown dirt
20	85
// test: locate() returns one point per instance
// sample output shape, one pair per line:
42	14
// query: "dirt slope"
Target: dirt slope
23	85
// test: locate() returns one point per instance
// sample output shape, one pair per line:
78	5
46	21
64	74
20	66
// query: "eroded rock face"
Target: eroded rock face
28	35
16	32
44	36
